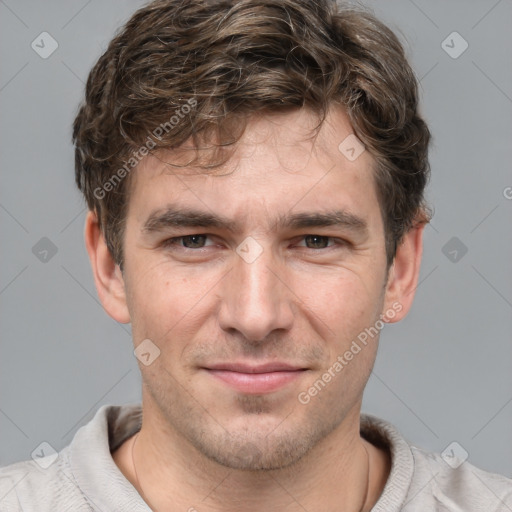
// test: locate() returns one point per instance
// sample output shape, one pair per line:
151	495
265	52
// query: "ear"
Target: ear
107	274
403	276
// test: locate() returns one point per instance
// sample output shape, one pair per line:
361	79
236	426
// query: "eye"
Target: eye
198	241
317	241
187	242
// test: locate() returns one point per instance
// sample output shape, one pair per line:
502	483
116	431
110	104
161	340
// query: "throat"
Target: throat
274	487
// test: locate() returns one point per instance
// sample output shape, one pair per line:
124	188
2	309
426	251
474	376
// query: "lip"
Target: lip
256	379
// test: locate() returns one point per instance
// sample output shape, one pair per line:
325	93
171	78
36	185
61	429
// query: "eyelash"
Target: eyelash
172	243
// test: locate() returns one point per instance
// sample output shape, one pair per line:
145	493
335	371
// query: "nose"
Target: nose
256	299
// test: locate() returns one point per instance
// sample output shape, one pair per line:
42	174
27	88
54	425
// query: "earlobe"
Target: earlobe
107	275
403	275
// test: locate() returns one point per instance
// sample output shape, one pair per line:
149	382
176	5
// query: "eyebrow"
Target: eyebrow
172	217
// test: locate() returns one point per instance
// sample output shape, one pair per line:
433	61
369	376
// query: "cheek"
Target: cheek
348	308
165	305
344	303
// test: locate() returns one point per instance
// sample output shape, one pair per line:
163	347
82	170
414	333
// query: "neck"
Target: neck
342	472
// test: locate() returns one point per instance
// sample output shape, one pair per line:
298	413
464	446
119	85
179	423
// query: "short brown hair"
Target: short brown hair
221	61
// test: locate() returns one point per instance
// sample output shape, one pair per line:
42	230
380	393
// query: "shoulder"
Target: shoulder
427	481
44	483
78	476
454	484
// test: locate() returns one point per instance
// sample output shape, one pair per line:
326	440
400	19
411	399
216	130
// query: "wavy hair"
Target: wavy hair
230	59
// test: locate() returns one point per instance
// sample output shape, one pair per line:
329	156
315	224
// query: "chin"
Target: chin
253	448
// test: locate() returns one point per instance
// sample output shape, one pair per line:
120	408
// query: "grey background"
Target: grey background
443	374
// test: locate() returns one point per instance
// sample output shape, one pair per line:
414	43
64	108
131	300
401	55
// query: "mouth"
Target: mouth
255	379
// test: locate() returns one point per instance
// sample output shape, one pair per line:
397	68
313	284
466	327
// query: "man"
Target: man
254	172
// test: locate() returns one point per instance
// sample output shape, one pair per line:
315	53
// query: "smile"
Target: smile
256	379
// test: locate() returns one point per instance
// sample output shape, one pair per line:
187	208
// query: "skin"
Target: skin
203	443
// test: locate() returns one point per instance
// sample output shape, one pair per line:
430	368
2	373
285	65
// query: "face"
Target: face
253	283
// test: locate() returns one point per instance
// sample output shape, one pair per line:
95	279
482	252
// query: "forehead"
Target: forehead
279	165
